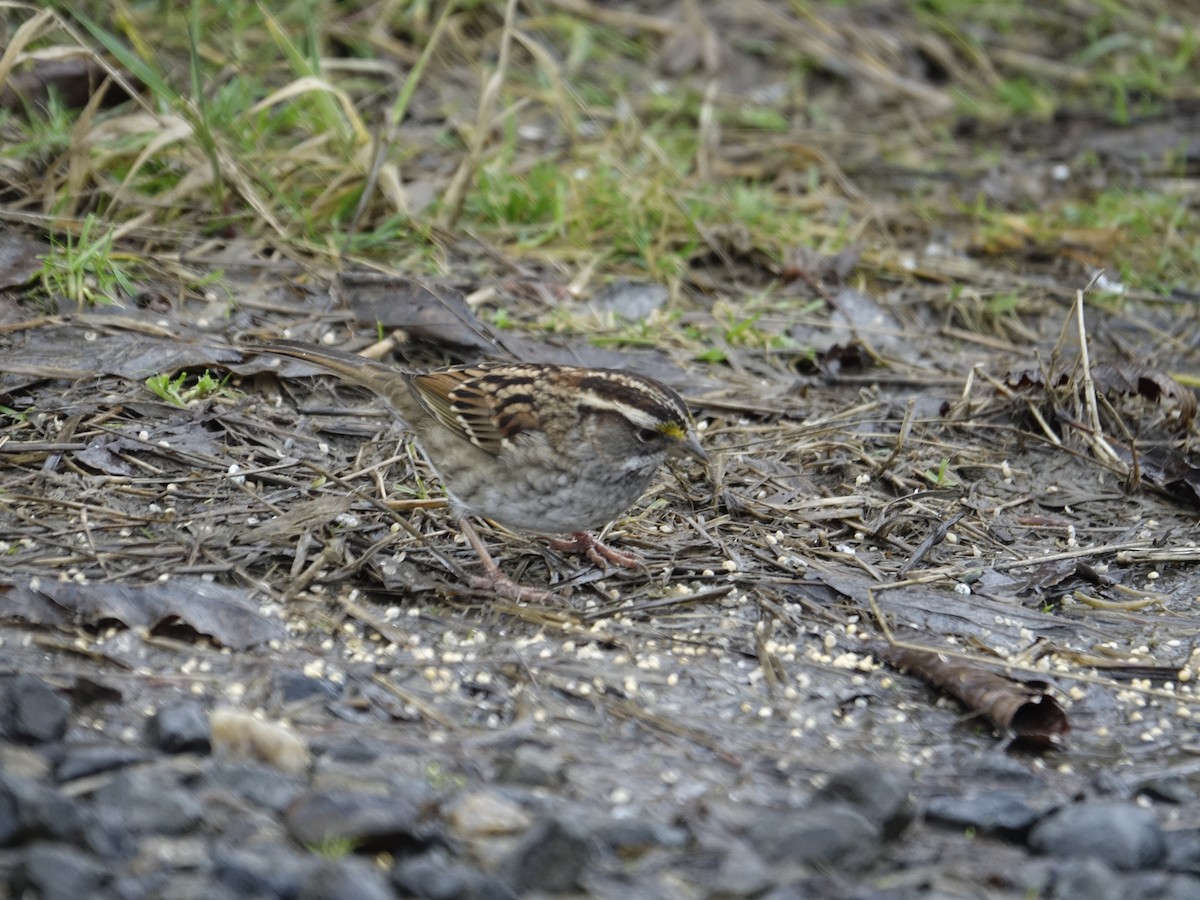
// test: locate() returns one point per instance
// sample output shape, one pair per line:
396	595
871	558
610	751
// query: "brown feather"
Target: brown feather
468	402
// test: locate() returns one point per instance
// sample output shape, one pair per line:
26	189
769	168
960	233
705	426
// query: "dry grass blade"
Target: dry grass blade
1100	446
560	91
428	710
662	603
313	84
27	32
380	170
456	193
616	18
167	130
309	78
818	39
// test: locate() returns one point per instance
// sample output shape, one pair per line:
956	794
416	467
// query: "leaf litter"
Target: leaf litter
276	513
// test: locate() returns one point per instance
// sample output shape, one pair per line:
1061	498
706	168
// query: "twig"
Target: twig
427	710
1007	665
662	602
1100	445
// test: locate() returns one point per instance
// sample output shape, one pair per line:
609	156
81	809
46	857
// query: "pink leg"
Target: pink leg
495	580
599	553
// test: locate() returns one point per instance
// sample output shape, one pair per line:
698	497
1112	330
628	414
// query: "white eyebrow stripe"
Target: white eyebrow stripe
634	414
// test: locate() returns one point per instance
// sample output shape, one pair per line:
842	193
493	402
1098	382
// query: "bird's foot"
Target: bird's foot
495	580
597	551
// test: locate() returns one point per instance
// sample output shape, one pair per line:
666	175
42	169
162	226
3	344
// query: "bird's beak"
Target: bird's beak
689	446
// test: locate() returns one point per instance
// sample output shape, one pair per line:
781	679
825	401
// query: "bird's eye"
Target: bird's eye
646	435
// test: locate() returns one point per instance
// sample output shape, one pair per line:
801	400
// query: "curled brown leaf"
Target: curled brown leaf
1022	709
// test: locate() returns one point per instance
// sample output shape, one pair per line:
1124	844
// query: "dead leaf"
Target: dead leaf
927	610
1022	709
175	431
1176	471
104	455
225	614
1115	381
815	267
1034	379
840	360
437	313
1132	380
69	353
858	319
20	259
300	516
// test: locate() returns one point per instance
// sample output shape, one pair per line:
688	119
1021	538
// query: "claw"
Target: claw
597	551
495	580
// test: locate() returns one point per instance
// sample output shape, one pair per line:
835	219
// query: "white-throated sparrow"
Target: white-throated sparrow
537	447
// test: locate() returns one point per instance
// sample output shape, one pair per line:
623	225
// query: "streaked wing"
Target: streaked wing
488	407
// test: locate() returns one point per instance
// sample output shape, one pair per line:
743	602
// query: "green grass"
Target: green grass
1143	233
266	126
336	847
184	389
84	268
